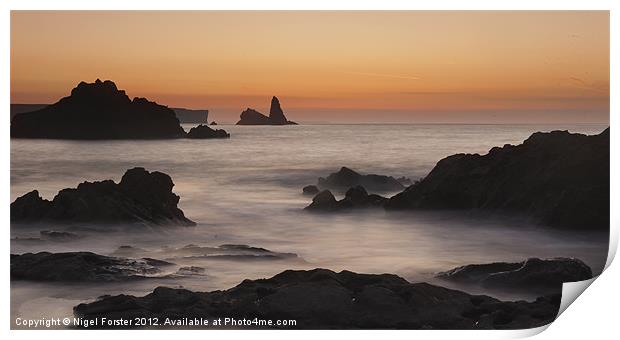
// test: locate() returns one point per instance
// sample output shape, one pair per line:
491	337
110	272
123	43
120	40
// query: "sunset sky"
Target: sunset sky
478	67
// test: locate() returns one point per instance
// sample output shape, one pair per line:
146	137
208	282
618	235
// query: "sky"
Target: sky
341	66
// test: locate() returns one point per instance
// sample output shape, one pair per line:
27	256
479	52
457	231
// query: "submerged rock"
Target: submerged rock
531	274
140	197
310	190
276	116
98	111
225	251
323	299
204	131
80	266
355	198
191	270
346	178
58	236
559	178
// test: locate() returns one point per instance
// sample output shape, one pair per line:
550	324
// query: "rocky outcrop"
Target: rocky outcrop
558	178
81	267
276	116
323	299
98	111
140	197
204	131
346	178
532	274
355	198
310	190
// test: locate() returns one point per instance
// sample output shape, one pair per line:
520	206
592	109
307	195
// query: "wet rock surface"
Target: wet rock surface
355	198
81	267
347	178
205	132
531	274
558	178
141	197
323	299
98	111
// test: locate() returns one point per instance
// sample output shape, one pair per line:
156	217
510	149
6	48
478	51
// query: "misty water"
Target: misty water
247	190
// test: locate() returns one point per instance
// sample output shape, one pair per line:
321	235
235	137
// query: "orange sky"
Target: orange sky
327	66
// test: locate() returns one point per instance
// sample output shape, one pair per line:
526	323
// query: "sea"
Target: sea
247	190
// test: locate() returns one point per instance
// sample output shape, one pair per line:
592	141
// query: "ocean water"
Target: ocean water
247	190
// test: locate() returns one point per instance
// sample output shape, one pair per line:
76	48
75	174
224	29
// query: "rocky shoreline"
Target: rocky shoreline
557	179
324	299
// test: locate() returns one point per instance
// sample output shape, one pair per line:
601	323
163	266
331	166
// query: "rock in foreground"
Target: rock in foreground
141	197
204	132
80	267
98	111
558	178
532	274
276	116
324	299
355	198
346	178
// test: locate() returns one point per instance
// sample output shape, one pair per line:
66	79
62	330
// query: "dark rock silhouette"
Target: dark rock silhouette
323	299
140	197
531	274
80	266
310	190
21	108
213	123
276	116
558	178
98	111
346	178
204	132
355	198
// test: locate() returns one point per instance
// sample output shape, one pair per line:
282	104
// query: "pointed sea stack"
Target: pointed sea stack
98	110
276	116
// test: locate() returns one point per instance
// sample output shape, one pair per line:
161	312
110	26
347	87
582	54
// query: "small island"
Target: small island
276	116
99	110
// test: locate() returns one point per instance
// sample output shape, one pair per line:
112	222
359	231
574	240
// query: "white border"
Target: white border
596	310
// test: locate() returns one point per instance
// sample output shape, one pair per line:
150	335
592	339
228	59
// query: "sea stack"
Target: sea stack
276	116
98	110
